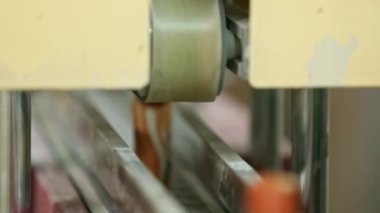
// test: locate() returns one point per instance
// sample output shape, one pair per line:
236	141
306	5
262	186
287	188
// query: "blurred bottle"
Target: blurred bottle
276	193
152	128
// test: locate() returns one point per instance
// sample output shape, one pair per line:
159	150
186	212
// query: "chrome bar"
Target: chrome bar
21	130
45	114
91	142
223	172
301	126
309	145
188	188
268	108
5	151
319	152
301	136
116	108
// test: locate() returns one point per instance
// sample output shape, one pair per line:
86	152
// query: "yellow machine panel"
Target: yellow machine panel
74	44
297	43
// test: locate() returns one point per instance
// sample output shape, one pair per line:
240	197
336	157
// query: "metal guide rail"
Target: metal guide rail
223	171
85	141
105	158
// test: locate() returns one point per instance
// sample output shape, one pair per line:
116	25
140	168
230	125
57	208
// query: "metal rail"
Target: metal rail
5	150
21	150
223	172
92	143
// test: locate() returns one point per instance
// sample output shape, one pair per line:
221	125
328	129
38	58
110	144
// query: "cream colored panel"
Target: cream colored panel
74	44
298	43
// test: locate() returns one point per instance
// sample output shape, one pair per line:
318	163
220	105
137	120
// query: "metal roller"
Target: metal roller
188	57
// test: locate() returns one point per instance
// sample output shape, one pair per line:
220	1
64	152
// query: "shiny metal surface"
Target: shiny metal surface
5	151
91	191
144	127
206	175
303	116
318	157
221	170
238	25
187	51
185	186
301	133
115	107
309	145
301	138
122	180
21	150
143	187
190	191
268	114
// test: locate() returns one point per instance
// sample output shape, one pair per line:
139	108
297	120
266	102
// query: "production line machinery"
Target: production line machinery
99	81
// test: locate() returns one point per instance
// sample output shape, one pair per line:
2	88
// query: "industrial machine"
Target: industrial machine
112	89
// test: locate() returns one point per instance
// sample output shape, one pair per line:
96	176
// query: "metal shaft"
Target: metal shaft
309	145
301	126
319	154
5	149
302	109
267	128
21	121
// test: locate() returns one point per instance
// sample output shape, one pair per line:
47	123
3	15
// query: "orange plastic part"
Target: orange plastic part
276	193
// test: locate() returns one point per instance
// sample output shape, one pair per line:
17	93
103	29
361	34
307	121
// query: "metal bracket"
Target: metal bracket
238	25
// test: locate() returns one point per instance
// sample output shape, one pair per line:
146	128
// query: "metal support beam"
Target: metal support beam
267	127
319	152
14	151
5	149
301	126
309	145
21	159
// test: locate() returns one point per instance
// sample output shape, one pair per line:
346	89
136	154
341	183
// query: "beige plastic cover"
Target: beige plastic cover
327	43
74	44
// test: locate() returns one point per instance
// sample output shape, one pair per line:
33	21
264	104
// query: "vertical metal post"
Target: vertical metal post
309	145
267	127
302	118
21	127
5	151
309	132
301	126
319	152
